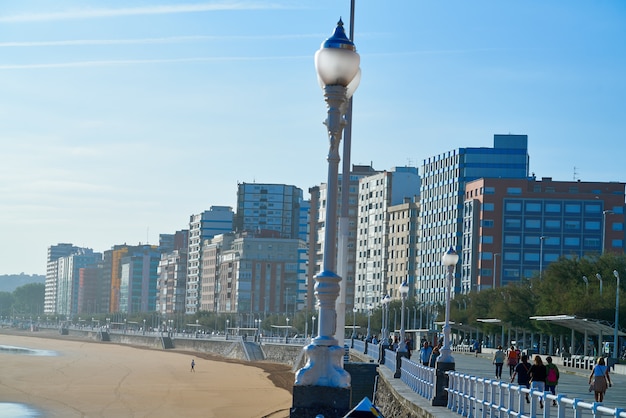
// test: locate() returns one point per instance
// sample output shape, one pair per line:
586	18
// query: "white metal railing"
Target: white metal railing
420	378
390	360
473	397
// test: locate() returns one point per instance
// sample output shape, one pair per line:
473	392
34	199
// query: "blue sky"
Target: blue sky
118	120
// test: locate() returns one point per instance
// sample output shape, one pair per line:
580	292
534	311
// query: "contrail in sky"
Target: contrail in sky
135	11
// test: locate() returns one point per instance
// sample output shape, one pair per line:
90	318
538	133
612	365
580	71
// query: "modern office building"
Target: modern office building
376	195
138	279
68	279
52	274
513	229
217	220
442	195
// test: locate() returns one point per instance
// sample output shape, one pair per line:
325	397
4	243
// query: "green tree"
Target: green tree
28	299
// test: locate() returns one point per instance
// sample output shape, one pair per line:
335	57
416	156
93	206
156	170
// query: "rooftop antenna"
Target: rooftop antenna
575	174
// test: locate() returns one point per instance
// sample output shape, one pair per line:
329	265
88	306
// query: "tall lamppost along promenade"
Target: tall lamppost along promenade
322	386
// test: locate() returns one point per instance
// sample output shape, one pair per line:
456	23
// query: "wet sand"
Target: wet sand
91	379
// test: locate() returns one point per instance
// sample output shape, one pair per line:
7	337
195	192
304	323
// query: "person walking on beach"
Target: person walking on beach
538	374
522	371
498	360
552	377
193	366
599	379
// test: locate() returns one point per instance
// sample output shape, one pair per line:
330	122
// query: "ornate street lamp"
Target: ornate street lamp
404	291
384	338
313	328
445	361
353	325
599	277
369	316
449	259
337	65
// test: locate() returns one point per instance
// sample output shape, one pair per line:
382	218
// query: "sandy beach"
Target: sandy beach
91	379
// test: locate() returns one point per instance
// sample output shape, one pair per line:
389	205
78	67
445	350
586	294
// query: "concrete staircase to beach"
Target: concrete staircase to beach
253	351
167	343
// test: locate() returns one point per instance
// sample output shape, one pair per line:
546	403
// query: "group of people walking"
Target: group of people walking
545	377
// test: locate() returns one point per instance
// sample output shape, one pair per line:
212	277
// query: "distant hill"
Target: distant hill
10	282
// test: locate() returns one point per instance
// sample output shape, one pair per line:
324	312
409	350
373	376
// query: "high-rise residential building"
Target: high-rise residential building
68	279
52	274
376	195
442	195
217	220
256	275
212	250
274	207
138	279
172	284
113	272
513	229
402	246
172	273
317	223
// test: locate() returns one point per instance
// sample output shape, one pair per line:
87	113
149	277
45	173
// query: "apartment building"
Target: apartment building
513	229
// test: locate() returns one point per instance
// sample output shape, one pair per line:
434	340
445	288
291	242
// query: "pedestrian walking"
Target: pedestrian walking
522	371
476	347
425	353
434	354
552	377
512	359
193	366
538	377
498	360
599	379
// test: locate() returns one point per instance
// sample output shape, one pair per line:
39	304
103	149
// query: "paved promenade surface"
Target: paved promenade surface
573	383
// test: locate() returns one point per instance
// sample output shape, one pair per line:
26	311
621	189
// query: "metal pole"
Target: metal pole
616	333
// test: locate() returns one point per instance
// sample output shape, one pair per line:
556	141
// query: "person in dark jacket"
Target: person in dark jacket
538	374
522	371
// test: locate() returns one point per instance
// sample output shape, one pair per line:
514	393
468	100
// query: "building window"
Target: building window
490	190
531	240
572	208
512	223
553	207
553	223
486	256
533	207
592	225
511	272
572	225
592	243
617	226
511	256
488	207
487	239
571	241
592	208
512	239
532	223
487	223
531	256
486	273
617	243
514	190
513	207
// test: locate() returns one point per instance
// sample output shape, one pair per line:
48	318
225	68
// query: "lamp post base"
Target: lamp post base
441	383
313	401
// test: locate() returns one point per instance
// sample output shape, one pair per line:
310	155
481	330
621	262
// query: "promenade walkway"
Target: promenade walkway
573	383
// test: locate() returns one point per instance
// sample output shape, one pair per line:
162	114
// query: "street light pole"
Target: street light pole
616	333
495	269
369	316
604	213
541	240
353	325
599	278
586	284
337	64
313	329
